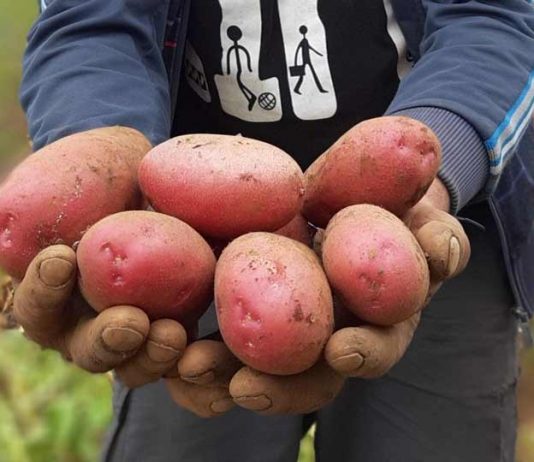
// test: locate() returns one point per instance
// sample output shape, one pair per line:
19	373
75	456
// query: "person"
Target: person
463	68
234	34
304	48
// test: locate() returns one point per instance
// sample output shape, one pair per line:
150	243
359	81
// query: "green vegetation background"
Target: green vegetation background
51	411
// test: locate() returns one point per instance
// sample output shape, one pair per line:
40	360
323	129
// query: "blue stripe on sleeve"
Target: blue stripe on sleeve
499	143
507	145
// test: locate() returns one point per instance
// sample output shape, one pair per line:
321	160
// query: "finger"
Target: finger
165	344
284	395
101	343
208	362
202	401
369	351
41	297
446	246
442	238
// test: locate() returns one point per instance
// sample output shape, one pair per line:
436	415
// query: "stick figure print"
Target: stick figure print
234	34
304	48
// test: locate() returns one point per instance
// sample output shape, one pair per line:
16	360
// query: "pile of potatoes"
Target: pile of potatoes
232	219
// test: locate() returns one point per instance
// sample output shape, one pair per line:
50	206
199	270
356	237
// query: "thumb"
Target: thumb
446	247
442	238
40	299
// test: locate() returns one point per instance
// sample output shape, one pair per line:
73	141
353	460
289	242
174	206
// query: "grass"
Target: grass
49	410
15	21
52	411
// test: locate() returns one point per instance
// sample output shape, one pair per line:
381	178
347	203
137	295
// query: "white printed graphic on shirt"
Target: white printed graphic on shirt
241	91
195	74
243	94
308	72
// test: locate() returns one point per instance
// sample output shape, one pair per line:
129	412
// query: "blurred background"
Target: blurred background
49	410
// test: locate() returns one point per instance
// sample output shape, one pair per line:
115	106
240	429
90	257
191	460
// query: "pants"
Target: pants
450	399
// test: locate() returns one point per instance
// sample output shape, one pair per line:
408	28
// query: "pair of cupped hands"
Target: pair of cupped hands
204	376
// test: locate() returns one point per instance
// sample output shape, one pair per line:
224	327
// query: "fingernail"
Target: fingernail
454	255
254	403
56	272
200	379
348	363
121	338
222	405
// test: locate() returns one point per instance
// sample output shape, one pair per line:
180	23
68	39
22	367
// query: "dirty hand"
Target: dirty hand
364	351
371	351
48	307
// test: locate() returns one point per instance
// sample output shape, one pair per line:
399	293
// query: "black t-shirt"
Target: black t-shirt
295	73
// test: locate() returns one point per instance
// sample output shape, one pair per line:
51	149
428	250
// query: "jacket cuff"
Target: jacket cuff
464	165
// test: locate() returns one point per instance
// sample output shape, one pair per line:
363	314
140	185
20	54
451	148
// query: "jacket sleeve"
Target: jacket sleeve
94	63
474	85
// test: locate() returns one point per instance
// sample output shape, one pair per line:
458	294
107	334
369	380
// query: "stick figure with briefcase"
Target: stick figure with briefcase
299	70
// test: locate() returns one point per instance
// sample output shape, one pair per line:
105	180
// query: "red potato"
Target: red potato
223	186
375	265
273	302
54	195
387	161
149	260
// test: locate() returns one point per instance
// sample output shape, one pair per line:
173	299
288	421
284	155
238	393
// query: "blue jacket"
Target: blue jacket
93	63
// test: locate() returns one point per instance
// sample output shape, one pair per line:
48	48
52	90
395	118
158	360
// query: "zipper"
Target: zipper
519	295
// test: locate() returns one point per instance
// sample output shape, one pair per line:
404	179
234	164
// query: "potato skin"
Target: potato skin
388	161
273	302
223	186
375	265
149	260
54	195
